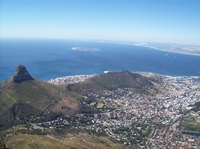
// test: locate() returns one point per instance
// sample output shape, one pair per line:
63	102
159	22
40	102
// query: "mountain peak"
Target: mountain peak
21	74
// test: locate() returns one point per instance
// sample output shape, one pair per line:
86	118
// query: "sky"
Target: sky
176	21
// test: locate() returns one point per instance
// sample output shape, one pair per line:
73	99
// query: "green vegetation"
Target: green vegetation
92	104
69	141
190	124
144	132
115	105
28	98
196	107
100	106
88	109
2	145
115	80
96	105
35	109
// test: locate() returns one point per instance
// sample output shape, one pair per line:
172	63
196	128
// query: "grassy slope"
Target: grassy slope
70	141
69	105
190	124
35	92
30	97
111	81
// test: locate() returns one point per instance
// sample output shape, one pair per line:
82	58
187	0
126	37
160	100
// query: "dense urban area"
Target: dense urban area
139	120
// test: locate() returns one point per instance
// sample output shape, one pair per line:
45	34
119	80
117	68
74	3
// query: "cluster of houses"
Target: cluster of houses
69	79
137	120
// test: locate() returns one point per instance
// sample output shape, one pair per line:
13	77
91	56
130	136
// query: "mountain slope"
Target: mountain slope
34	97
24	96
112	81
69	141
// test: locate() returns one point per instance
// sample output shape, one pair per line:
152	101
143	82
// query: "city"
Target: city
145	121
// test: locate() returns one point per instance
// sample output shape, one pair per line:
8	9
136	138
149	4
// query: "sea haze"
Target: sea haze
46	59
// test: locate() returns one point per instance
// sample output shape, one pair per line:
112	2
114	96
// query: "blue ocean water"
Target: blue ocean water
46	59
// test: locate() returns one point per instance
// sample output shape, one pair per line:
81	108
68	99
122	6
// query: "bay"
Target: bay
46	59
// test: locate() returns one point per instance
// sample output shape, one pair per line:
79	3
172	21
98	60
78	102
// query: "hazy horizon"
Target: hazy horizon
130	20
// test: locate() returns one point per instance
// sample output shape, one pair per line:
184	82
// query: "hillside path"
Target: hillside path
61	94
9	96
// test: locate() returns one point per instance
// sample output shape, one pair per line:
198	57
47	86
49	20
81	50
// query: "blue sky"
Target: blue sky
176	21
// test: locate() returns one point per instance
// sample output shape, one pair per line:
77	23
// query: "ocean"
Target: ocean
46	59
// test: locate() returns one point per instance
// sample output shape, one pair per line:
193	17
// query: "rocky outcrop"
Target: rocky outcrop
21	75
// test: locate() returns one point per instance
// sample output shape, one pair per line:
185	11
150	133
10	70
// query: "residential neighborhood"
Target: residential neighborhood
139	120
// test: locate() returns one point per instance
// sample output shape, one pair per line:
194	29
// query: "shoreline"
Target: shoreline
65	80
69	79
79	77
160	49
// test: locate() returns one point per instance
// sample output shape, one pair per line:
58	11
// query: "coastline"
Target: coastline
165	50
161	49
69	79
65	80
78	78
64	61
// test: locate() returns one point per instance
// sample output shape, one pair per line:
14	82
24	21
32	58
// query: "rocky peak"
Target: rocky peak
21	74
